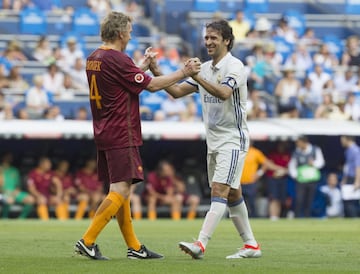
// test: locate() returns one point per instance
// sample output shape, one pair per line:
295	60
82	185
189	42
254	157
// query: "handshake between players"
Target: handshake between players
191	67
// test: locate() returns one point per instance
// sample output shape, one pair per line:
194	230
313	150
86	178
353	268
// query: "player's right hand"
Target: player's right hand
192	66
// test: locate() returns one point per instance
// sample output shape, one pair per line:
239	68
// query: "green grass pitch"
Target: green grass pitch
289	246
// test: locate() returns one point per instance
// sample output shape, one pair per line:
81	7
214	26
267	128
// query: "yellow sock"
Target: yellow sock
137	215
66	208
176	215
80	211
91	213
191	215
43	212
123	217
152	215
60	211
108	208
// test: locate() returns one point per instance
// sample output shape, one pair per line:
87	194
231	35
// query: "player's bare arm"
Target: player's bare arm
176	90
165	81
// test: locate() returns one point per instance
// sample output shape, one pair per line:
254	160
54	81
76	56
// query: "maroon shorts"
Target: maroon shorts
120	165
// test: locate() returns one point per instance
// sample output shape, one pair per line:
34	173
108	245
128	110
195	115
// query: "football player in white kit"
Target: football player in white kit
222	83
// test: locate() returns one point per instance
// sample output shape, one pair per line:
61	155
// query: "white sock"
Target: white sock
212	219
240	218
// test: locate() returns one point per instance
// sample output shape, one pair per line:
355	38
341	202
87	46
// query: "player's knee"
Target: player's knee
220	190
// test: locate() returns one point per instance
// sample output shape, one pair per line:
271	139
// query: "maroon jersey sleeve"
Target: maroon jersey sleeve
115	83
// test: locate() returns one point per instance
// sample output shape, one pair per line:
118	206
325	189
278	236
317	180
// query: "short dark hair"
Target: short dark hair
225	30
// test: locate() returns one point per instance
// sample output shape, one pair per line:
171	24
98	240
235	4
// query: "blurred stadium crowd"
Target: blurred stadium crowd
297	67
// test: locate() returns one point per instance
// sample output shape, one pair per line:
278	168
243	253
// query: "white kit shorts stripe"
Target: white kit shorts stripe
226	167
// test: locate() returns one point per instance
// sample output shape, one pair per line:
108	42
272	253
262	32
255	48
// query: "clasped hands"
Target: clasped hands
191	67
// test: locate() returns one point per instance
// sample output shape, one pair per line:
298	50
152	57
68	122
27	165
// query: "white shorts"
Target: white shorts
225	167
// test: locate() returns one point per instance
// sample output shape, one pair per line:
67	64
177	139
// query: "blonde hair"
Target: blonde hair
112	24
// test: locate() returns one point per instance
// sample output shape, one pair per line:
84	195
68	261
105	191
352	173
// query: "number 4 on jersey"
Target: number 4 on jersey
94	92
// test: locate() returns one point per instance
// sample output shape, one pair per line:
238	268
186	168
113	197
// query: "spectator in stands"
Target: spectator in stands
53	113
22	114
82	114
319	80
12	190
351	56
352	107
16	81
256	106
325	58
42	51
36	99
309	38
285	31
53	80
163	49
173	109
332	195
6	112
160	190
46	189
256	54
262	29
344	83
67	91
101	7
310	100
351	176
137	57
239	26
287	92
277	181
329	110
266	71
70	192
78	75
256	163
301	59
87	183
304	166
14	52
4	81
70	53
192	112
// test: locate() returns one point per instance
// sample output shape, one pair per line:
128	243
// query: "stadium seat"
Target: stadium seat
352	6
256	5
206	5
296	20
139	29
283	47
86	22
47	5
33	21
334	43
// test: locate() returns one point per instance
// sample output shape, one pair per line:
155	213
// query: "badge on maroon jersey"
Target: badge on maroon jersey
139	78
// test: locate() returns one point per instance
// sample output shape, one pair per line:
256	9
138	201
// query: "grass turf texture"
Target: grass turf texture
289	246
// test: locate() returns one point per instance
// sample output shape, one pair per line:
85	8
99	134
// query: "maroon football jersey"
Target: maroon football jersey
66	180
115	83
160	185
88	181
41	181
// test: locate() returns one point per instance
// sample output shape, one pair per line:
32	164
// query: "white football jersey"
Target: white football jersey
225	121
